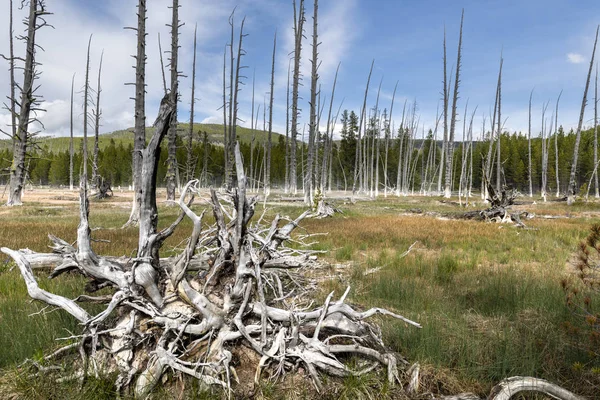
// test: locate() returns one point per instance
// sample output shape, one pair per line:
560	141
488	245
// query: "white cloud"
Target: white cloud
575	58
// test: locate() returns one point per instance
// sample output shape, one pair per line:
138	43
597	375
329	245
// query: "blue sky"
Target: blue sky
546	44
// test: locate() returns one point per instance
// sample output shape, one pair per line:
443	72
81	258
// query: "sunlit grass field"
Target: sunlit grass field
488	296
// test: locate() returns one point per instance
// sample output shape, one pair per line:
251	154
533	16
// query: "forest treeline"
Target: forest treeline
51	167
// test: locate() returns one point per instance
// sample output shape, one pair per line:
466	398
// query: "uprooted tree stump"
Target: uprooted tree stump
233	286
499	210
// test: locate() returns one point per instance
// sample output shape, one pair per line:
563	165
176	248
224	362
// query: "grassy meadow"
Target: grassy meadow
488	296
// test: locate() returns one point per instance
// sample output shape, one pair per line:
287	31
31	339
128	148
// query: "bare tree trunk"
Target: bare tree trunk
172	165
489	161
388	136
298	32
236	90
190	169
252	128
499	131
401	135
572	190
327	150
529	170
27	104
445	112
83	183
97	114
227	153
71	137
11	61
162	65
204	176
268	166
450	146
597	191
286	184
358	165
556	146
139	133
544	154
225	131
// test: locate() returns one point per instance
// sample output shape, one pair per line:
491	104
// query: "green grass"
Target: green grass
488	297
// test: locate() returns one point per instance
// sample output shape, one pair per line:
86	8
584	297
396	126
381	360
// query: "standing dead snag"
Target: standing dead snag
170	318
139	131
172	166
571	191
28	103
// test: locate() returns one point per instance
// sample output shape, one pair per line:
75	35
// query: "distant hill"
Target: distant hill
125	137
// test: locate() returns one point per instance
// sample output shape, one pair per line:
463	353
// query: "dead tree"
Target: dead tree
597	190
445	113
205	150
271	95
225	130
556	146
162	64
12	100
139	130
499	129
529	170
328	149
97	113
357	183
29	101
298	34
172	166
86	95
450	144
236	89
312	125
286	184
190	163
161	316
71	150
572	190
388	137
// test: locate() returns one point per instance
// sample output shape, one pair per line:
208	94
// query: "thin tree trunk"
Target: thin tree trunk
445	112
27	103
571	191
98	113
86	92
11	68
312	127
286	183
499	131
227	149
388	137
189	162
358	166
298	32
529	170
556	146
225	131
204	179
162	65
269	144
236	90
71	137
450	147
252	128
172	165
139	133
327	150
597	191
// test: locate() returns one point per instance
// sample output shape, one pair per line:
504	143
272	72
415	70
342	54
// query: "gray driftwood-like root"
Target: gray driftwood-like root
236	284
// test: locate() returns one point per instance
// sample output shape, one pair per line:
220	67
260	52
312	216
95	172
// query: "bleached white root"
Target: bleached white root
234	284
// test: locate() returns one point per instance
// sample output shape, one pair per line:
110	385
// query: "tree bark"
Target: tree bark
529	170
71	150
312	125
22	135
572	190
97	114
172	165
298	33
190	164
139	130
450	144
357	183
269	145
